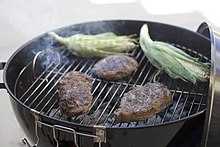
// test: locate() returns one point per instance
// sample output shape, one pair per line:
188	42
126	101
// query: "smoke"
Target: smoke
48	57
51	55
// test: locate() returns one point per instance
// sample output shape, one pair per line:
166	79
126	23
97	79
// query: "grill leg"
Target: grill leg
25	142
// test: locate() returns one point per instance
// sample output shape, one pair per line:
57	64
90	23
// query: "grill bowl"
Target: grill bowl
32	72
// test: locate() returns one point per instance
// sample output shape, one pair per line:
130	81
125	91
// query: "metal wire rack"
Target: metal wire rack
40	92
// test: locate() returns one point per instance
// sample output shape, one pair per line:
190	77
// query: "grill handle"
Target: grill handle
211	130
39	123
2	65
204	29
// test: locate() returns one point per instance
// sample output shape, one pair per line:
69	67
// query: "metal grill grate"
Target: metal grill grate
41	95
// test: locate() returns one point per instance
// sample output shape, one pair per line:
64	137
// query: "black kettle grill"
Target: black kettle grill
32	72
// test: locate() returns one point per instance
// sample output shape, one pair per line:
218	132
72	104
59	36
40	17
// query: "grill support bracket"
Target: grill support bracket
101	132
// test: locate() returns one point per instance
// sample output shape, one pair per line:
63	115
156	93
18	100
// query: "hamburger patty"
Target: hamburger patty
141	103
115	67
74	90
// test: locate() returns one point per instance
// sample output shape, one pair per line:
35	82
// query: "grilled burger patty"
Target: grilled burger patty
115	67
141	103
74	90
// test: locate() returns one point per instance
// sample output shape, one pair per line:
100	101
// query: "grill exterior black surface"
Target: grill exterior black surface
212	121
31	83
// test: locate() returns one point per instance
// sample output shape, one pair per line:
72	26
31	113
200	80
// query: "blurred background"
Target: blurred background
22	20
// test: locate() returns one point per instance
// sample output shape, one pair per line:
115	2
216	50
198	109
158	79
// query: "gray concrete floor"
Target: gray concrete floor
21	20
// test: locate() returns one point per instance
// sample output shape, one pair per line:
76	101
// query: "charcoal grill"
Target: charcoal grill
31	83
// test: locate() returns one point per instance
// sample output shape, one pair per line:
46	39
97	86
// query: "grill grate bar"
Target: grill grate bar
38	87
103	99
193	102
114	82
48	84
135	72
96	99
142	71
96	88
101	103
84	66
200	103
112	97
185	103
178	101
111	111
35	82
46	104
187	92
51	107
145	78
191	107
167	109
54	85
117	104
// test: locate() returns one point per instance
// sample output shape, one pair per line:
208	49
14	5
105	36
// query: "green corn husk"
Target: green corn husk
170	59
100	45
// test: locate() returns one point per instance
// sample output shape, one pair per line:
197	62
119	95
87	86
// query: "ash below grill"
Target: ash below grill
34	97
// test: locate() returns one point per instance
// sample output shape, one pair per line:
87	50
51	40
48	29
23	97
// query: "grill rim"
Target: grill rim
10	91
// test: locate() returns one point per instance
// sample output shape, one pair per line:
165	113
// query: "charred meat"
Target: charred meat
115	67
141	103
74	90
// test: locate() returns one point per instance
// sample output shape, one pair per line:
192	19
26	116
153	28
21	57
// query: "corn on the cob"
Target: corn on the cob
100	45
175	62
